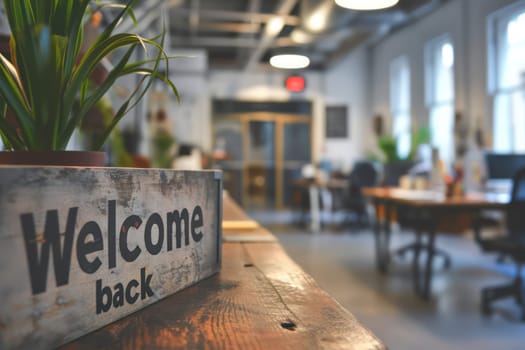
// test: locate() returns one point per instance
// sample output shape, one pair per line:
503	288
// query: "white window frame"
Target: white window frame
496	30
402	134
445	148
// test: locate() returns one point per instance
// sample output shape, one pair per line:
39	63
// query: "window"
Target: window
439	58
400	104
508	78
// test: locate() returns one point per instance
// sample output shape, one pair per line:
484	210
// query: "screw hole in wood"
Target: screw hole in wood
289	325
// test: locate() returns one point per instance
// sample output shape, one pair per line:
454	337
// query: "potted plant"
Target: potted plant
45	86
396	166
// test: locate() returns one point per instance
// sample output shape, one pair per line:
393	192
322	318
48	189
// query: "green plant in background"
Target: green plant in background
388	145
162	155
45	86
420	137
121	156
95	123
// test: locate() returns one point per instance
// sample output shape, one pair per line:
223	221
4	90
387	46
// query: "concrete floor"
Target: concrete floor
342	262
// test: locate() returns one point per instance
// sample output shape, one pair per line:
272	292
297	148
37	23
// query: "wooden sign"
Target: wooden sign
80	248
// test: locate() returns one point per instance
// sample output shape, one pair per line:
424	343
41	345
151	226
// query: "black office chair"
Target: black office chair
393	171
511	244
354	204
408	218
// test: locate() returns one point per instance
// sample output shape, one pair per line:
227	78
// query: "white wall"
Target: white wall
192	115
347	84
466	22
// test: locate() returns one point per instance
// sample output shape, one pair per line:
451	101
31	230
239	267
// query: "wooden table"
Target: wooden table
435	208
260	300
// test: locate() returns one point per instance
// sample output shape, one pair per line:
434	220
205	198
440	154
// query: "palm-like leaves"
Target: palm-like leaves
45	83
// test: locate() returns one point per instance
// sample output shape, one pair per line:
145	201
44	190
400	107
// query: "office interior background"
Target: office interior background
447	73
418	65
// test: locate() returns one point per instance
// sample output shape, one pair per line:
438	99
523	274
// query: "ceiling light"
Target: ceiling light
316	18
366	4
274	26
290	61
316	22
301	37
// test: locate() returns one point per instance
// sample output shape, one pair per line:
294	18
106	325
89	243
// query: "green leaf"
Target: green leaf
47	85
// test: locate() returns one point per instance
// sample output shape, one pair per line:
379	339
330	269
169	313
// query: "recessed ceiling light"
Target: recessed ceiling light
317	20
301	37
274	26
366	4
290	61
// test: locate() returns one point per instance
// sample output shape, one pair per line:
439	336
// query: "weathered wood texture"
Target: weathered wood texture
120	239
261	299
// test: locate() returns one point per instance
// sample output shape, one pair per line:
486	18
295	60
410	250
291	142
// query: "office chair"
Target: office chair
411	219
364	174
511	244
393	171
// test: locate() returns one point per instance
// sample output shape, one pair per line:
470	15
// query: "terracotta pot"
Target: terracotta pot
53	158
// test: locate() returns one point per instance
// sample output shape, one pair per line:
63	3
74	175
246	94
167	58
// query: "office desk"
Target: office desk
434	209
314	187
261	299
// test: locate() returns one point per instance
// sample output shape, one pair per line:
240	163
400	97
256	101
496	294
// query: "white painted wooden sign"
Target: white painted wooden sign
80	248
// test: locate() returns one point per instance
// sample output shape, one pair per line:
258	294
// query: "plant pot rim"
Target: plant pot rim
53	158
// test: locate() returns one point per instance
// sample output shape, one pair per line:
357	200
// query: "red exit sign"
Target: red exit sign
295	83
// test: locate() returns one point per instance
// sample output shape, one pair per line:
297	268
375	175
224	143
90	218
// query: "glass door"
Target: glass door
259	167
261	154
296	153
228	155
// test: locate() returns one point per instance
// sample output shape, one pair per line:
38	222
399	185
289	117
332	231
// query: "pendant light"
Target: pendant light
366	4
289	61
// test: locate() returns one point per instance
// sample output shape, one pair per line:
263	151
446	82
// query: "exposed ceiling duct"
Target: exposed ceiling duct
243	34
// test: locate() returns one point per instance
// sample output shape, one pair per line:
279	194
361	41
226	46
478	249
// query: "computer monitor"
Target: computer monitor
503	166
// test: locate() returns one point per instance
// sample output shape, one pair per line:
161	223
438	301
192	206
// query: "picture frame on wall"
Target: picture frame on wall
336	123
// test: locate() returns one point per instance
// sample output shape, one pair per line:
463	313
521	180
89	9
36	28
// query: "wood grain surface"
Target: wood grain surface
261	299
239	227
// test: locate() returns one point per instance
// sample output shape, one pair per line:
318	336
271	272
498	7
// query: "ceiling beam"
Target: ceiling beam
229	16
214	42
245	28
243	55
283	10
194	17
254	6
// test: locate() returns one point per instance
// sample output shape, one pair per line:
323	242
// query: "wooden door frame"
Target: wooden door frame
280	120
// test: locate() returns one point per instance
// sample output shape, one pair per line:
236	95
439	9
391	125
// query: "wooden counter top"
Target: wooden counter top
261	299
